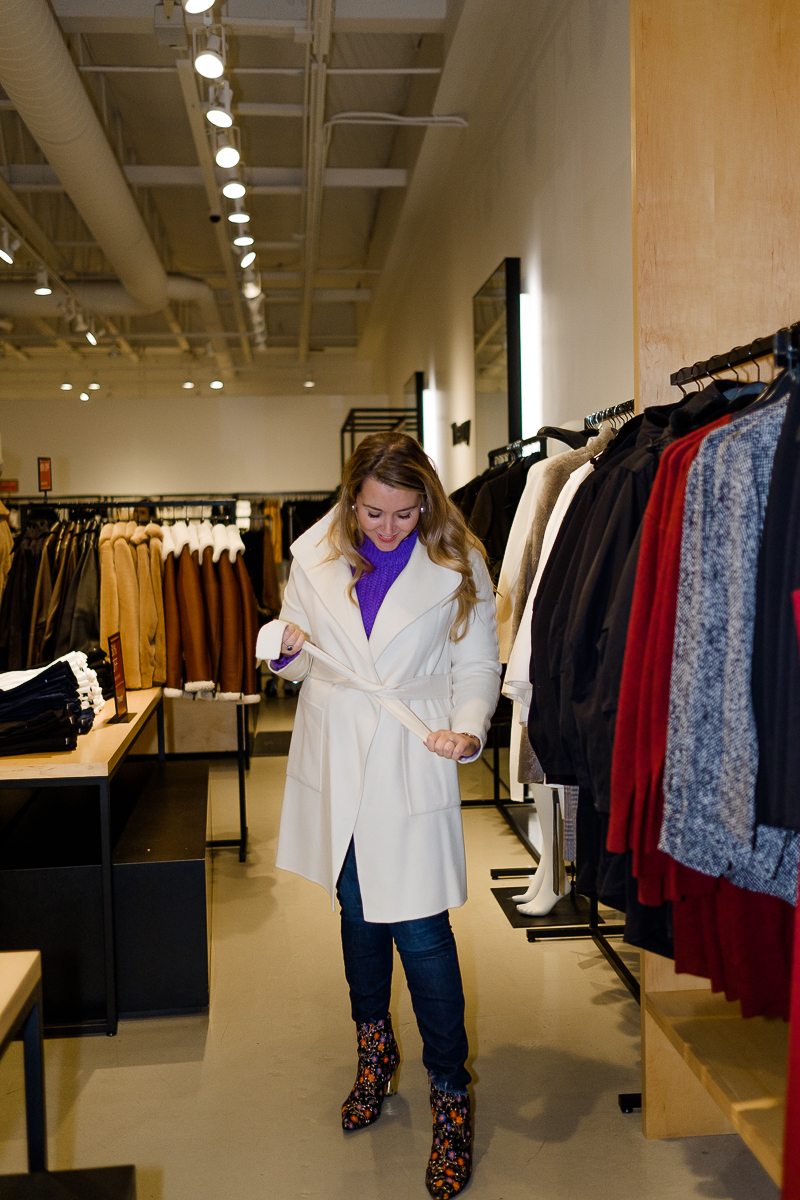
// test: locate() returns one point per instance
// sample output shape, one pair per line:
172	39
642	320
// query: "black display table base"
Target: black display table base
96	1183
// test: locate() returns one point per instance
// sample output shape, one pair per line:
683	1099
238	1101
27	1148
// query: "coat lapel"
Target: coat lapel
330	579
421	586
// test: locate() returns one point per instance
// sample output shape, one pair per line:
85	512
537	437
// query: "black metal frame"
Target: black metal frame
110	1022
243	759
416	386
379	420
27	1028
778	344
74	505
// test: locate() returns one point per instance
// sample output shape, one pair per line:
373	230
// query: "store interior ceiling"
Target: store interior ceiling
329	101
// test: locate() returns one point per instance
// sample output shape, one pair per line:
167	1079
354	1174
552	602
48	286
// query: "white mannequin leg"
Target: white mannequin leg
550	880
543	798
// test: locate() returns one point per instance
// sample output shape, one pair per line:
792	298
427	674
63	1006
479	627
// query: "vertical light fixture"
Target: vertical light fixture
530	344
42	285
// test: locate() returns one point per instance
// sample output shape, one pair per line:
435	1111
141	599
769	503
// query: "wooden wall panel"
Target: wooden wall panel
716	179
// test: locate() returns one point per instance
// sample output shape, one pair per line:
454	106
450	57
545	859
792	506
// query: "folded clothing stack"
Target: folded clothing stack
45	709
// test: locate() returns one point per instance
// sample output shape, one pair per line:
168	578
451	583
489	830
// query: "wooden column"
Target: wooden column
716	179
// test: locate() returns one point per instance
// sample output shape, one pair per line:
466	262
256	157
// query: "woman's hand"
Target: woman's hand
447	744
292	640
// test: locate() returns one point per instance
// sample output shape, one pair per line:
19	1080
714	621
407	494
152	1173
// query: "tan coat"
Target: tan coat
148	614
109	598
155	534
354	771
128	593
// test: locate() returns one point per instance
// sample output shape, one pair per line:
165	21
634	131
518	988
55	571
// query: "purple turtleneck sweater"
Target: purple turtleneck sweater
373	585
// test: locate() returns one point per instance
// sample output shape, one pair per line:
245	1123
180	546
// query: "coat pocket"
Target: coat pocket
306	749
431	782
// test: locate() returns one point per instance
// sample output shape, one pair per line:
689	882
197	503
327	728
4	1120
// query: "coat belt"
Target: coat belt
421	687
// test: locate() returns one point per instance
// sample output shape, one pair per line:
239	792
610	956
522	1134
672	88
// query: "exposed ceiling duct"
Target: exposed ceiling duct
112	300
43	83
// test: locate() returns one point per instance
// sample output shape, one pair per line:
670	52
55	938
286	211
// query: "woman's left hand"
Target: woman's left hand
447	744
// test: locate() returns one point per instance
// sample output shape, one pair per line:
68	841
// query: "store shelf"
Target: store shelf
740	1063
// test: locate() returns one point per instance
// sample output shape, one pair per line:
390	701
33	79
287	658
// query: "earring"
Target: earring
422	508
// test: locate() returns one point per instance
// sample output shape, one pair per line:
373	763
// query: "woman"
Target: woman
393	586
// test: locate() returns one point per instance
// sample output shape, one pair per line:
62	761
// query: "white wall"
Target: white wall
543	173
154	447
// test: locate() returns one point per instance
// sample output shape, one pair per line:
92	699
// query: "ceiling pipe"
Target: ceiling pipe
112	300
42	82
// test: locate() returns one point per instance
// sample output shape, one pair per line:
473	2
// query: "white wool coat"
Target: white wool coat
354	771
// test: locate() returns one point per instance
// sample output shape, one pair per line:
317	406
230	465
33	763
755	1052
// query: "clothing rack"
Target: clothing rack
377	420
783	345
581	924
593	422
220	508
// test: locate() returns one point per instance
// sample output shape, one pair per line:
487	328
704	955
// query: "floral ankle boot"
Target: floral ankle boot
450	1164
378	1057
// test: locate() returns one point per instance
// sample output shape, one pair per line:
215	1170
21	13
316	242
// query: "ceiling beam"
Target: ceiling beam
177	329
47	329
40	177
24	223
123	343
11	349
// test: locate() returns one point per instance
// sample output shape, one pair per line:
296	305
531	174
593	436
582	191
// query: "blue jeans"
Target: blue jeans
428	952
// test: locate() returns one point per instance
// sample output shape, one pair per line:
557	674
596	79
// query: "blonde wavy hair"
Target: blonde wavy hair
398	461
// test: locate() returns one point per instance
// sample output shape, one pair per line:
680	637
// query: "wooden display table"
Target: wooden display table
98	756
21	1011
705	1069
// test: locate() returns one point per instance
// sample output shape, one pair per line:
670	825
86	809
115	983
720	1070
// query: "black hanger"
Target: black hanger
576	439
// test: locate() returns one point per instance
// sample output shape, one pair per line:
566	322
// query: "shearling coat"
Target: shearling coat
128	594
353	770
155	534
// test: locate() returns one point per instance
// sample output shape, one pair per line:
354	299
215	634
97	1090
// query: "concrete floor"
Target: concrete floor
244	1103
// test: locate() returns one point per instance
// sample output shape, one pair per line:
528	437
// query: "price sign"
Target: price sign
45	475
120	693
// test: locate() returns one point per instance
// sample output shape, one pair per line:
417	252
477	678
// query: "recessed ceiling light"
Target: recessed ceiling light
188	385
42	286
66	387
94	387
84	395
227	155
244	239
216	384
309	383
248	259
234	190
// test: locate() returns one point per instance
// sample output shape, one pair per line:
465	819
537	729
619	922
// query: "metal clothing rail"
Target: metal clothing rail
780	344
516	450
593	422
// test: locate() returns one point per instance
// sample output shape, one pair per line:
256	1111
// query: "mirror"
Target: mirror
496	334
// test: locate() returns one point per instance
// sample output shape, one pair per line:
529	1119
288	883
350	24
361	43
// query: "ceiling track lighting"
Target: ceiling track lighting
197	6
94	386
91	336
251	288
227	154
220	98
216	384
309	383
42	286
188	385
234	189
66	387
8	248
239	216
209	49
84	395
244	239
248	259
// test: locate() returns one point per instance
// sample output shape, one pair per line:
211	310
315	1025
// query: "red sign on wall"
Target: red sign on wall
9	485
